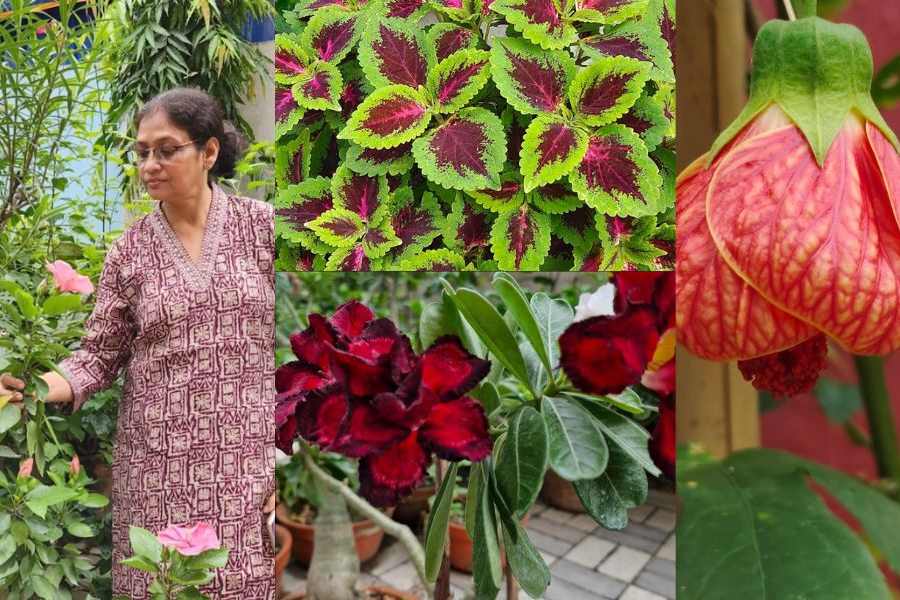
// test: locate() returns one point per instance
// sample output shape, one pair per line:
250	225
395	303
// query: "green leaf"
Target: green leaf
215	558
622	486
517	305
321	87
44	496
291	61
838	400
492	330
9	416
522	460
751	528
42	587
192	577
144	543
647	118
443	39
553	317
378	241
533	81
551	148
94	500
24	300
436	529
79	529
457	78
141	564
7	548
623	432
61	303
433	260
487	571
390	161
520	239
466	152
604	91
391	52
614	13
472	495
531	20
388	117
525	562
338	227
577	447
326	34
297	205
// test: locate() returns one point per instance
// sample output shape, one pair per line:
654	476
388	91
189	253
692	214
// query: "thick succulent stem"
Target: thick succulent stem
880	414
334	569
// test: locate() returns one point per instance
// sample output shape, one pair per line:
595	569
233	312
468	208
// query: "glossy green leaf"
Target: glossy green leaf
517	305
44	496
623	432
61	303
553	316
438	521
622	486
522	460
9	416
144	543
525	562
577	446
487	570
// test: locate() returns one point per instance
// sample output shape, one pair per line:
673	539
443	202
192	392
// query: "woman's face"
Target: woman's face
170	164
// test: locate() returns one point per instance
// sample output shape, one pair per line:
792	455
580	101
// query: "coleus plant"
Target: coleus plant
516	394
486	135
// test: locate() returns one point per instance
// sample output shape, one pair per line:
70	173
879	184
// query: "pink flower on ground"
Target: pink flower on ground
68	279
189	541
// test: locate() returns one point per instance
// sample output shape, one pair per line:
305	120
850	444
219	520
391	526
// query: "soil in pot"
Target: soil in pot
559	493
366	535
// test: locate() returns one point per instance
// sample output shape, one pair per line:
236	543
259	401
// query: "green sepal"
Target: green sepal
308	96
539	33
357	131
502	70
817	72
434	260
589	79
520	239
536	168
338	227
453	64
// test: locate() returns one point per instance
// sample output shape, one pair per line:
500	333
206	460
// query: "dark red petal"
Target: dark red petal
449	370
368	433
789	372
662	445
313	345
604	355
286	424
351	318
409	406
322	416
457	430
386	478
298	376
650	289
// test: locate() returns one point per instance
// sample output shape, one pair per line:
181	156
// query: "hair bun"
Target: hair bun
231	148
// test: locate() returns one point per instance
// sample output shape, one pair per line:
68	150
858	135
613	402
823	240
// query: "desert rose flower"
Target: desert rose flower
189	541
357	388
787	227
68	279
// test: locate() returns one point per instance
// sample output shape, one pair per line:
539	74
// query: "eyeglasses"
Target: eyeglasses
163	154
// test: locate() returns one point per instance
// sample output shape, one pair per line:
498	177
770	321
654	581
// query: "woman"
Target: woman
186	306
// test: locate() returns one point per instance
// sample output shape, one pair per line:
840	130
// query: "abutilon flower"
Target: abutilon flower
358	388
788	227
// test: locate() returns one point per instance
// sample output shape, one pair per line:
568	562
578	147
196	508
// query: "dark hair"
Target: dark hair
201	116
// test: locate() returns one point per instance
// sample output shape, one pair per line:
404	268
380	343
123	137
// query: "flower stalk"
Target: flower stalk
880	415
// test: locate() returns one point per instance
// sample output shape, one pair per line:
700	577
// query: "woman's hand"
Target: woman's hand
9	386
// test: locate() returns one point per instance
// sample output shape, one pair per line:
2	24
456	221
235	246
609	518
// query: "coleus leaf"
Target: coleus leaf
608	12
378	240
288	111
646	118
362	195
404	9
390	116
606	89
510	195
307	8
321	88
577	228
539	21
392	52
291	60
458	10
468	227
533	81
665	97
466	152
292	160
555	198
387	161
443	39
520	239
550	150
349	258
628	43
649	30
331	34
297	205
440	260
416	224
338	227
616	175
458	78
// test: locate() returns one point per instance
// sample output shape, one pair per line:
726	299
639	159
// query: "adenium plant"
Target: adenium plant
458	134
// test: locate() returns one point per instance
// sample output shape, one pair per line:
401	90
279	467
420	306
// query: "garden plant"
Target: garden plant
450	135
515	386
786	227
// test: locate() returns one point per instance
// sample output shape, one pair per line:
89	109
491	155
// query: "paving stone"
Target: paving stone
588	579
389	557
628	539
560	589
590	551
662	499
549	544
660	566
584	523
640	513
559	516
624	563
293	579
644	531
656	583
548	558
460	580
402	577
668	549
557	530
635	593
662	519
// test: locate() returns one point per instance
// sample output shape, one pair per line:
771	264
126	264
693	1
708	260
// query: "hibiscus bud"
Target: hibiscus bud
785	230
25	467
75	465
68	279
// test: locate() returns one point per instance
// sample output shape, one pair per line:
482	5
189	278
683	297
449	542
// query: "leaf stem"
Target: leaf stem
880	415
792	16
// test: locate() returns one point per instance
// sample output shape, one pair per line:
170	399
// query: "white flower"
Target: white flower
600	303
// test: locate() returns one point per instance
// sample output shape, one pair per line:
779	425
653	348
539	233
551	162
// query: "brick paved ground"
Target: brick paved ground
586	561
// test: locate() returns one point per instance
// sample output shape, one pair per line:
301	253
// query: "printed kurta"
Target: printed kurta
196	433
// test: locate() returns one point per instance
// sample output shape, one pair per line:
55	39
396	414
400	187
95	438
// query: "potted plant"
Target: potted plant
283	544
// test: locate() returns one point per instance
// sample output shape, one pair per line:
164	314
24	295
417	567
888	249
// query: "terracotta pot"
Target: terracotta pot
560	493
366	534
409	512
283	553
375	589
460	547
